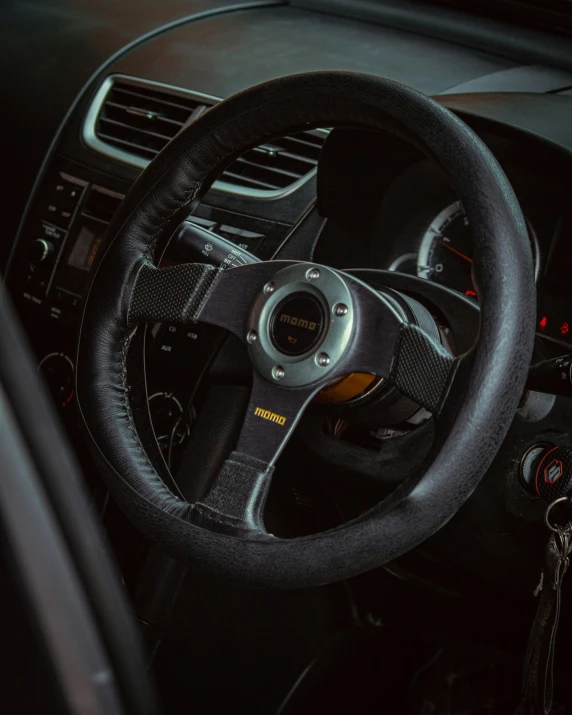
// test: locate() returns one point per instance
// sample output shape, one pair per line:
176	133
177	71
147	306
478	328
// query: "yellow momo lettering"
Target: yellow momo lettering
291	320
270	416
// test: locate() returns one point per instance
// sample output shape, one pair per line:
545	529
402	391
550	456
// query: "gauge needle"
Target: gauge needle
454	250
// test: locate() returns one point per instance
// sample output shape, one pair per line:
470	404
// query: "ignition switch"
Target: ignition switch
546	471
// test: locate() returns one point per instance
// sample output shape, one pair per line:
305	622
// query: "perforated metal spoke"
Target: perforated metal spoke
175	294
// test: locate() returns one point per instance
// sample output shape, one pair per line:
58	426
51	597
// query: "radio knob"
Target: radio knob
40	251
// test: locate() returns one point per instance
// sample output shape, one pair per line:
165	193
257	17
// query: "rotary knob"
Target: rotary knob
40	251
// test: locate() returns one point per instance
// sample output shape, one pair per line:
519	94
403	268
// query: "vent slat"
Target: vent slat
137	137
273	164
159	97
288	174
296	157
145	150
140	120
251	182
308	140
160	118
115	123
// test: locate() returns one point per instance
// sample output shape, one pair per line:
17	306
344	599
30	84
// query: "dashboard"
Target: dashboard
384	204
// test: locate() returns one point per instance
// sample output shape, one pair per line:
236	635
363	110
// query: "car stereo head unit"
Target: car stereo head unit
63	243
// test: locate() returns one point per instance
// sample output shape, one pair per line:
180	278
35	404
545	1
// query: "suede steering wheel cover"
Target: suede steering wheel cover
156	205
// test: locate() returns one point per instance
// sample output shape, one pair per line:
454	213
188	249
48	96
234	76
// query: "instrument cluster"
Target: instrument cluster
430	236
445	252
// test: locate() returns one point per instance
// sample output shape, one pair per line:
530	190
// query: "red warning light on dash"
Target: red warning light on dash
543	322
564	328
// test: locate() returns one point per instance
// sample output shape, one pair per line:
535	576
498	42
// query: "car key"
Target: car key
538	680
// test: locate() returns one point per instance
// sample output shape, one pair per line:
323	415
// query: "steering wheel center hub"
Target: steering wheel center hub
300	337
297	324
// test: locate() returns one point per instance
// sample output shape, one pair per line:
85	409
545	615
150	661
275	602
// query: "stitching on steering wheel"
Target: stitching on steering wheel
187	196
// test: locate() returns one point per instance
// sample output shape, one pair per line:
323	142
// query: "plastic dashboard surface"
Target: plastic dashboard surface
225	54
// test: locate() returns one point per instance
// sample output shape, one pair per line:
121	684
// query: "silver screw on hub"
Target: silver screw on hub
269	288
340	310
313	274
278	372
252	337
323	359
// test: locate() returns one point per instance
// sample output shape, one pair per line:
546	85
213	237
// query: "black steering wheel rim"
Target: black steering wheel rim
158	202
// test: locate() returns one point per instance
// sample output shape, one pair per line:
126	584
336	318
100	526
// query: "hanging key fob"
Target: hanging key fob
538	676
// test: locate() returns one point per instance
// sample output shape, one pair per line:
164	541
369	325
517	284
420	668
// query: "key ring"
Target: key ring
556	529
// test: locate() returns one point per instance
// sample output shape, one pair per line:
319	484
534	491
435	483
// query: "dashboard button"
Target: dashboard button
67	298
63	201
68	193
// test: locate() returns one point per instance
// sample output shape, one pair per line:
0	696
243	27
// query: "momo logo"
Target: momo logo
297	324
270	416
300	322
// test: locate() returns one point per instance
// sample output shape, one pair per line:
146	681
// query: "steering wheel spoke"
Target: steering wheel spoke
235	501
391	346
422	368
273	413
198	292
175	294
237	496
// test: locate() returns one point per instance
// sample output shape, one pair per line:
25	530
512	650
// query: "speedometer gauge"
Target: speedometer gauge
446	251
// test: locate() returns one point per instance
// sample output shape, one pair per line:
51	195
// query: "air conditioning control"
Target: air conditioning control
40	252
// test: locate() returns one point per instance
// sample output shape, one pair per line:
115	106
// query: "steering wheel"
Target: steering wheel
305	325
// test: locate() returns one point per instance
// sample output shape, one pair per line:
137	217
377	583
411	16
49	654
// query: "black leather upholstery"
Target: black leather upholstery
159	201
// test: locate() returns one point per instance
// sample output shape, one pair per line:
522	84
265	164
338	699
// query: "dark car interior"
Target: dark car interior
286	356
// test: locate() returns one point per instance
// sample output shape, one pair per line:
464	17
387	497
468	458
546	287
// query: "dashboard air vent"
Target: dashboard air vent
131	120
277	165
141	119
